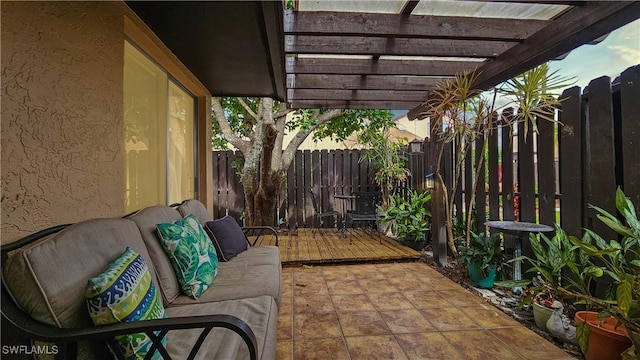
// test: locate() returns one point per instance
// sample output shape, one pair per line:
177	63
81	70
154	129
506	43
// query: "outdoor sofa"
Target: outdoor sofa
44	280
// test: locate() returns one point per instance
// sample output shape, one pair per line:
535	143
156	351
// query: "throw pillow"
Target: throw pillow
227	236
124	292
192	255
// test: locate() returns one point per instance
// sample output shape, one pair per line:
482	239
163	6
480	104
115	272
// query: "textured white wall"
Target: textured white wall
62	117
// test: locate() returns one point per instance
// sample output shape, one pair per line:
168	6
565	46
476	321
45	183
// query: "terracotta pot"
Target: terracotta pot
540	315
605	340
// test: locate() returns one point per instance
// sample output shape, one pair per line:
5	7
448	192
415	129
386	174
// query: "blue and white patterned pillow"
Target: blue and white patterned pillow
124	292
192	254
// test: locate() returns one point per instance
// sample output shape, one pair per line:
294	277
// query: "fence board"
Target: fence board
481	192
508	208
600	150
316	177
571	135
299	190
629	95
546	173
493	166
467	186
526	175
308	207
291	211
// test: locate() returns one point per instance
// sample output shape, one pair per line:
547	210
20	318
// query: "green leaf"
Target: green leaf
512	283
582	335
624	296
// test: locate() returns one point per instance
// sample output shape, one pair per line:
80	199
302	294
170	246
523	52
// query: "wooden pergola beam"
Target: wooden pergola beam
356	95
377	67
414	26
359	45
341	104
354	82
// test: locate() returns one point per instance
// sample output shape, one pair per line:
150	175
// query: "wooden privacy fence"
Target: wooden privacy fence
327	173
553	176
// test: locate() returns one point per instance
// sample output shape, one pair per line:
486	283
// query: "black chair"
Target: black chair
366	210
320	215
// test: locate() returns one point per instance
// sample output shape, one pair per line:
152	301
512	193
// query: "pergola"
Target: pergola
371	54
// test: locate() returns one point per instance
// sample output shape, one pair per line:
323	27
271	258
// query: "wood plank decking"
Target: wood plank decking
327	246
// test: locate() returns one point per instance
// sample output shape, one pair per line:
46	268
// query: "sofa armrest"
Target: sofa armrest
261	230
67	339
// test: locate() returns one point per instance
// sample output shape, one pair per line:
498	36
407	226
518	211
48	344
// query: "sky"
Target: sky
620	50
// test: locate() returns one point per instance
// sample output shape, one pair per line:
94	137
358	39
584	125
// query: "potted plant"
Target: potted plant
551	257
408	218
483	258
617	261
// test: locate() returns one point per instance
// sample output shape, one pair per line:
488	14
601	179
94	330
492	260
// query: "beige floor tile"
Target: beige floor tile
428	346
321	349
284	350
488	316
337	273
362	323
379	347
461	297
404	284
529	344
377	285
337	287
353	302
426	299
285	327
480	345
316	326
406	321
449	318
389	301
305	303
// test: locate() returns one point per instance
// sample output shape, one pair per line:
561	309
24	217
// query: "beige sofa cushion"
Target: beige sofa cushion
147	219
48	278
236	280
195	207
260	313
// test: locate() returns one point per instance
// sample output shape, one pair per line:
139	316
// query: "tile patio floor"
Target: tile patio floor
395	311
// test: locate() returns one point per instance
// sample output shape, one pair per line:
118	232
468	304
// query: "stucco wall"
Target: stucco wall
61	111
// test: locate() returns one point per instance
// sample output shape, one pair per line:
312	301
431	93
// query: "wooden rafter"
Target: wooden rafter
376	67
357	95
414	26
341	104
357	45
354	82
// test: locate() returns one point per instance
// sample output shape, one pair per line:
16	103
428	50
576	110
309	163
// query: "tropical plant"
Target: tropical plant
484	251
618	261
552	256
385	155
407	218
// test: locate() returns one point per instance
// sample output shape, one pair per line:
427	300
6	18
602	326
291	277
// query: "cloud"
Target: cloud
627	54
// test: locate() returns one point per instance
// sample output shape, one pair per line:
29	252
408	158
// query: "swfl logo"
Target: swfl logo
29	350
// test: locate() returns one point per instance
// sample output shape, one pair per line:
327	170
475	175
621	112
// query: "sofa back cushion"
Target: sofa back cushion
48	278
195	207
147	219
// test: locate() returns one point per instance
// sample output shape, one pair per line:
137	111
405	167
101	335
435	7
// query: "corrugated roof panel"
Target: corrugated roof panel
361	6
489	9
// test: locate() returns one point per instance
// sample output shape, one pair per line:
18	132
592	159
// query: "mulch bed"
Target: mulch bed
502	299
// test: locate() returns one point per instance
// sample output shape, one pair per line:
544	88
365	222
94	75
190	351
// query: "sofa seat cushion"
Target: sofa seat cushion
147	219
260	313
123	292
256	255
238	280
192	254
48	278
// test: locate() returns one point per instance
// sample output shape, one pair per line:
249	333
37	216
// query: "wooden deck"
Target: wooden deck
301	247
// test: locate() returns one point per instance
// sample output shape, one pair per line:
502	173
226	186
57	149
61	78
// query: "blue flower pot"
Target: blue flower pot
477	276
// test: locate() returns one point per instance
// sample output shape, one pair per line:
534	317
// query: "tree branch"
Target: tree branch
243	145
290	152
247	108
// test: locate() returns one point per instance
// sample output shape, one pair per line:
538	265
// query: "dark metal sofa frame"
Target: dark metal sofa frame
67	339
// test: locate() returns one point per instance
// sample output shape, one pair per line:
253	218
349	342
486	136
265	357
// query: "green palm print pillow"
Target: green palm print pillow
192	254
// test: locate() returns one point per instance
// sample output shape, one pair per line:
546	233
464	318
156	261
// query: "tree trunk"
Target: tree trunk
260	204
